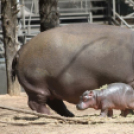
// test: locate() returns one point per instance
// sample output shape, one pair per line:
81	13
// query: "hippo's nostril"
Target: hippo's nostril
79	106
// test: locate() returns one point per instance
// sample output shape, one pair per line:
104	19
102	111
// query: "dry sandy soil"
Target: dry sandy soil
18	123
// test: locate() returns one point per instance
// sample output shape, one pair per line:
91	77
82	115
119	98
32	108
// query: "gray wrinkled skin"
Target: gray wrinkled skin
115	96
61	63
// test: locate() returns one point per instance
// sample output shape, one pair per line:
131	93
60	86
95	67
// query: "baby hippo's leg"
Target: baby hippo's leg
104	112
131	111
125	112
110	112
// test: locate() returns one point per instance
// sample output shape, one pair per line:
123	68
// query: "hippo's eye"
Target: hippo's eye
85	99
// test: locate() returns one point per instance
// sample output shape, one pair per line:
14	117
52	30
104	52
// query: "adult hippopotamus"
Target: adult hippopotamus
61	63
115	96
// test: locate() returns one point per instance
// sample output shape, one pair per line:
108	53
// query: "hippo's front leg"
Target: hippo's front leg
110	113
104	112
59	107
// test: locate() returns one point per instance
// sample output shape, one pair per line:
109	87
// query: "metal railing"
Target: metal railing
83	11
123	19
130	2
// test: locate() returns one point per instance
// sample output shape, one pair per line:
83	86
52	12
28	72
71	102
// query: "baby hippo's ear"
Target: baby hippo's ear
91	93
86	93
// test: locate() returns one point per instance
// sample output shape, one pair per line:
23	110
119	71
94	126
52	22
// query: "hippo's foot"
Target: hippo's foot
110	113
40	108
125	112
37	102
59	107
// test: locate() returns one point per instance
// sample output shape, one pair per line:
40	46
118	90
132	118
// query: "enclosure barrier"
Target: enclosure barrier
122	19
74	10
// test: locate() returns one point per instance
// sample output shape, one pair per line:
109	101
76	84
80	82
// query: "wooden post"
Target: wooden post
49	16
109	12
9	25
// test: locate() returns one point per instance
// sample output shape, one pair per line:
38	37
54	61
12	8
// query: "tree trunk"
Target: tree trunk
9	25
49	16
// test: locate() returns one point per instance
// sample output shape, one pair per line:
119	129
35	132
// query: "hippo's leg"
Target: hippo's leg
59	107
110	113
131	111
38	103
132	85
104	112
125	112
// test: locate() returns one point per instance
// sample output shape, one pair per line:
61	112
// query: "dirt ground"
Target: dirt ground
17	123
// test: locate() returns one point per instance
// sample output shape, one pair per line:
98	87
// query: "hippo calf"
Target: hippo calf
115	96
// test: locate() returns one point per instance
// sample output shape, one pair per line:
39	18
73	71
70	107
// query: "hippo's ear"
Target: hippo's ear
91	93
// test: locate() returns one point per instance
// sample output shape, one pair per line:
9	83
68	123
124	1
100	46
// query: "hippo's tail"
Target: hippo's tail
14	65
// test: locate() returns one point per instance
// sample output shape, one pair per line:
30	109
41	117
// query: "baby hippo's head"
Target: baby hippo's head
87	100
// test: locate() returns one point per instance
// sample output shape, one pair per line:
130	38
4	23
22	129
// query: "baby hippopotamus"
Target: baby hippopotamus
115	96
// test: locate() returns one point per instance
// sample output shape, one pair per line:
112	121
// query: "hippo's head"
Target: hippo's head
87	100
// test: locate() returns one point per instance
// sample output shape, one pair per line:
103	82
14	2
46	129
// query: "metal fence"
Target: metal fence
71	11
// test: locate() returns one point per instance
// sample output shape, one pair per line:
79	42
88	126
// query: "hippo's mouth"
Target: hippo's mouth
81	106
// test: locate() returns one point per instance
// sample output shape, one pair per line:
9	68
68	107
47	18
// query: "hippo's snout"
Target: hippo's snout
80	106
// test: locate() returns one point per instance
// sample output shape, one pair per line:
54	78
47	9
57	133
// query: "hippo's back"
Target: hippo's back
96	46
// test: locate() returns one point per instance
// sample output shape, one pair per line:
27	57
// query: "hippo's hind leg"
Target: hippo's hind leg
131	112
125	112
59	107
37	102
